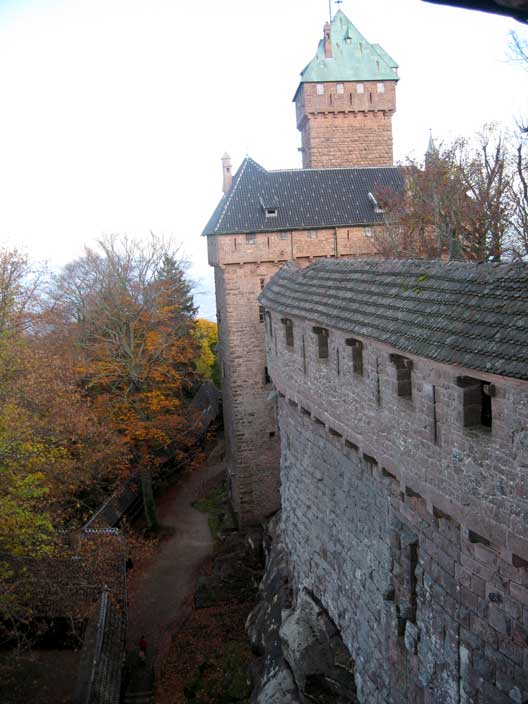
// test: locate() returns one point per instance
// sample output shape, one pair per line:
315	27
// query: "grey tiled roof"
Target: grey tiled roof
474	315
304	198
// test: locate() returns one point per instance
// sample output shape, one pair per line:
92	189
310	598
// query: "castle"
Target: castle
398	571
344	107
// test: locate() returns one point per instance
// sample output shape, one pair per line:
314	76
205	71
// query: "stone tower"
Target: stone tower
345	100
266	218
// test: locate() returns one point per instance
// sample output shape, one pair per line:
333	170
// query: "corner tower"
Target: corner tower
345	100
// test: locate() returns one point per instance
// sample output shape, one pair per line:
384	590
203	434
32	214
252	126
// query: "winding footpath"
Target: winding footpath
162	595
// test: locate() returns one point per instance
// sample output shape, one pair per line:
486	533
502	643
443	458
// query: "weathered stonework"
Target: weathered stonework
410	528
346	129
241	271
344	122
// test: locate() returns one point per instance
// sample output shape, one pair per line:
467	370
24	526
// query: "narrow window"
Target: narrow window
235	242
360	88
261	314
357	355
476	398
435	417
378	385
338	362
262	283
304	355
322	342
403	375
267	378
320	89
251	238
270	324
340	89
288	329
370	97
380	87
268	241
330	99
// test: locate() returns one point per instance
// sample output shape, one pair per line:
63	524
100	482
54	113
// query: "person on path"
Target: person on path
142	649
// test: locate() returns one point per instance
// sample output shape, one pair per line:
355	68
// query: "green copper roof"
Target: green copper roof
353	58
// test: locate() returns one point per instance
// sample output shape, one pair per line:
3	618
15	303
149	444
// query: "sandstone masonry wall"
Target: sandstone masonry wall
346	128
411	529
241	271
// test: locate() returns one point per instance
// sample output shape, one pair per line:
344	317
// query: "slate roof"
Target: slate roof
474	315
353	57
304	198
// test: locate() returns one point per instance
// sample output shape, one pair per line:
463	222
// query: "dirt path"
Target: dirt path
158	599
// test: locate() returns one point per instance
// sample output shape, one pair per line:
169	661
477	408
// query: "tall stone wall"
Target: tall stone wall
242	269
249	414
409	528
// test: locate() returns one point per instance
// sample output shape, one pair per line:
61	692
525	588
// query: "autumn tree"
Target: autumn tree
57	460
207	361
128	313
455	206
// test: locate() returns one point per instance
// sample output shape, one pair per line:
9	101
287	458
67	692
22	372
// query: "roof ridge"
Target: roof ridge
335	168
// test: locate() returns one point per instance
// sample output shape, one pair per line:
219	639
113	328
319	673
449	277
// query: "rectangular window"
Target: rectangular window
320	89
270	324
360	88
340	89
381	87
312	234
251	239
357	355
283	235
403	375
368	232
476	399
288	329
322	342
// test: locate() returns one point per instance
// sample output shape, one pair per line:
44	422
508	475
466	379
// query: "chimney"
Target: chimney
226	169
327	41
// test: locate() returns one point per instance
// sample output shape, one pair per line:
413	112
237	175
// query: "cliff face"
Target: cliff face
303	657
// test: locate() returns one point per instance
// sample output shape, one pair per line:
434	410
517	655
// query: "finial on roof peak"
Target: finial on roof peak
431	147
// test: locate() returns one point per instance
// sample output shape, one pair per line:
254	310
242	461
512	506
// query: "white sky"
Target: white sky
114	114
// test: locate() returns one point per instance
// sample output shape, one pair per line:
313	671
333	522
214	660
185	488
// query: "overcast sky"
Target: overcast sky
114	114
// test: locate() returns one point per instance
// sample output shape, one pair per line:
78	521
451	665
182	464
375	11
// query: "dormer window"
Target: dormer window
271	212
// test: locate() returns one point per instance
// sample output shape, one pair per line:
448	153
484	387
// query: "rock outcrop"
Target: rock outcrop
303	657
